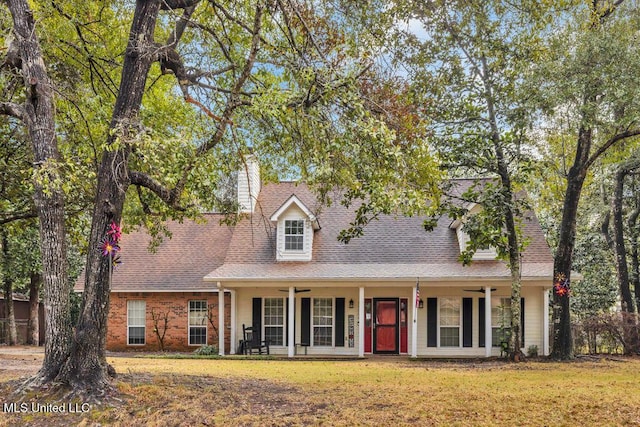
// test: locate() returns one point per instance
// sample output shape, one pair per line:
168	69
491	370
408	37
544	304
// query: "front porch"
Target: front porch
446	319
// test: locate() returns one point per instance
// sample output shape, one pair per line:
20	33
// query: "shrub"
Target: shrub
532	351
206	350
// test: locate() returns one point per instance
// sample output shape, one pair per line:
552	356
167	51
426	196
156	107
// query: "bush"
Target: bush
207	350
532	351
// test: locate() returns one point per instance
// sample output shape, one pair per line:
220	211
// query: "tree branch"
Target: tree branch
14	110
616	138
170	197
7	218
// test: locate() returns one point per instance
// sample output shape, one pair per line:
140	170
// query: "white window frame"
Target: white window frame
300	226
203	320
496	303
131	310
266	325
440	326
314	325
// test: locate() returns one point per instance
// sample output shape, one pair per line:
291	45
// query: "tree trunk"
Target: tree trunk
48	196
515	353
563	261
33	333
635	256
87	368
620	252
7	286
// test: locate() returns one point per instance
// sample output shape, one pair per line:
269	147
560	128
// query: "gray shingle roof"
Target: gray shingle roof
392	248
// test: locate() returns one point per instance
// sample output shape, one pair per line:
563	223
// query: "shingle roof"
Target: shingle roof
178	264
392	248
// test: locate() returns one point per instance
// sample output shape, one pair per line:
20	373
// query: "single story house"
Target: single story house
396	290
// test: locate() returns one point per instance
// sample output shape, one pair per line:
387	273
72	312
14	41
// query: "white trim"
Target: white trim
414	325
221	326
144	325
294	200
545	322
488	338
291	331
232	350
361	321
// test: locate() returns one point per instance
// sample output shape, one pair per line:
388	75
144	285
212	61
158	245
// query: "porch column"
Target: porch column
291	333
545	322
414	328
232	350
361	322
221	325
488	338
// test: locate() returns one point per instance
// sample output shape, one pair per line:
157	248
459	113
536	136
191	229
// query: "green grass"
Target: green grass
192	392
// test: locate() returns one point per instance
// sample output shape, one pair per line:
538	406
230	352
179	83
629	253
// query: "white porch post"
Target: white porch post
291	326
232	350
361	322
414	327
488	339
221	325
545	322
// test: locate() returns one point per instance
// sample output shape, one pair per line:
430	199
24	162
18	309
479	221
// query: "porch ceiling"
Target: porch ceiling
292	271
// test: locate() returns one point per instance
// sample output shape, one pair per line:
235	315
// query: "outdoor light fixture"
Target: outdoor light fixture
420	304
351	303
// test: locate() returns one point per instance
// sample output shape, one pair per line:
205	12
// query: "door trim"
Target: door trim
397	327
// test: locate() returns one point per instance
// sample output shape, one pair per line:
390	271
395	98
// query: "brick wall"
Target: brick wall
177	334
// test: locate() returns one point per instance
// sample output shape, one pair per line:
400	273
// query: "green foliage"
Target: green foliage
206	350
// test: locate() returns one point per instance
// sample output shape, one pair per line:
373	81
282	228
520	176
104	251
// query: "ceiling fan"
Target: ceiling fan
296	290
478	290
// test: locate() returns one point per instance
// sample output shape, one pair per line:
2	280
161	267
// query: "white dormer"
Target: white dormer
463	238
295	225
248	184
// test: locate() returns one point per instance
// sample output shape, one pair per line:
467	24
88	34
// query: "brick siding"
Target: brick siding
177	334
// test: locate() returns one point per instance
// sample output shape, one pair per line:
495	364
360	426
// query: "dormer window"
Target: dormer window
295	226
463	238
294	235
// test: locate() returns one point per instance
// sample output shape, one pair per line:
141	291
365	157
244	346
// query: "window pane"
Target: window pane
450	337
323	321
449	312
273	335
197	335
136	335
197	313
294	235
322	336
197	322
500	336
274	321
136	317
449	322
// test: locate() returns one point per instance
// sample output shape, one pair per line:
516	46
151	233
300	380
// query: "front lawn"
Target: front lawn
392	391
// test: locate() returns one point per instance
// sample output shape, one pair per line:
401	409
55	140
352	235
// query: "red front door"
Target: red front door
385	327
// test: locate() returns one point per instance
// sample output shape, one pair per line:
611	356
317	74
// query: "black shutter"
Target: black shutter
305	322
257	319
339	322
467	322
481	323
521	322
432	322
